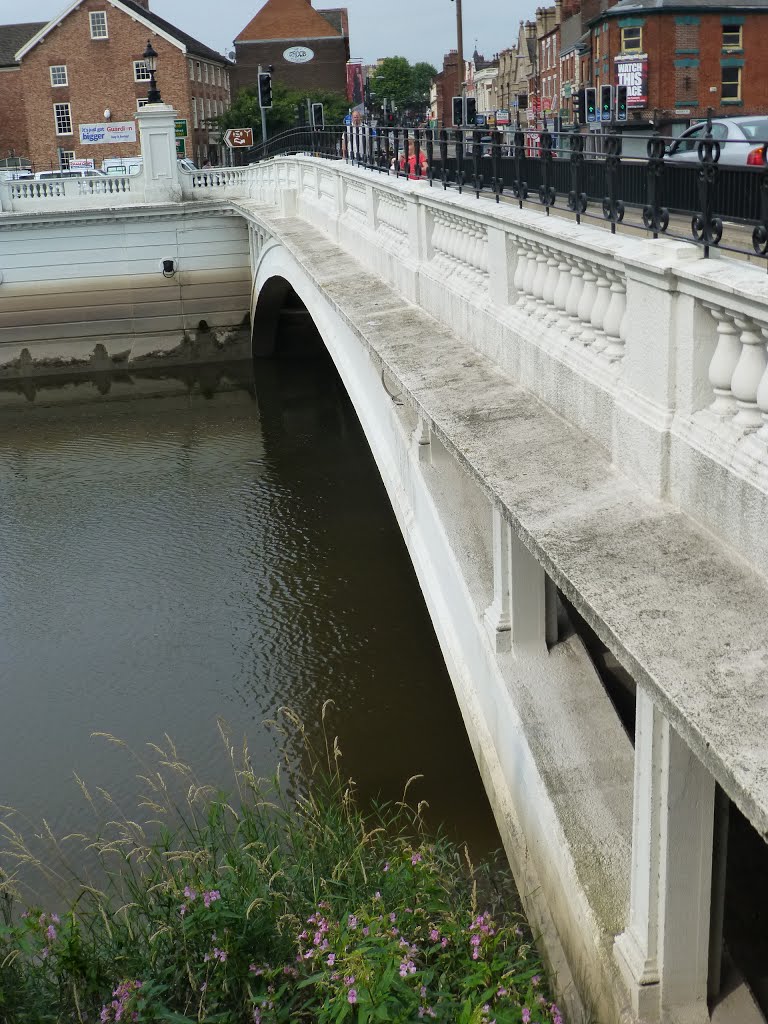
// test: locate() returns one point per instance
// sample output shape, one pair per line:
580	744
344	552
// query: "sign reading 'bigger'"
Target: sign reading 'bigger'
104	134
632	71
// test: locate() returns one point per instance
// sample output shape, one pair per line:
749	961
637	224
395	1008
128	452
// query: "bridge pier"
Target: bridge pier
523	613
664	952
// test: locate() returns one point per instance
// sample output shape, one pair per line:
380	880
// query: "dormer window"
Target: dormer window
98	24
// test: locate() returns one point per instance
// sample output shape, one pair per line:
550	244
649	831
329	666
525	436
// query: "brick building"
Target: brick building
308	48
13	123
85	68
678	58
447	85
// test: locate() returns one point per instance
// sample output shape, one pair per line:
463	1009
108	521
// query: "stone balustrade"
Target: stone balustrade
657	354
212	182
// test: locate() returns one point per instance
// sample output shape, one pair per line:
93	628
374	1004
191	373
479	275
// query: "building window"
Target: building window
141	72
191	70
686	37
59	74
195	123
205	72
218	76
731	84
66	156
597	46
142	102
62	113
199	72
732	37
631	40
98	24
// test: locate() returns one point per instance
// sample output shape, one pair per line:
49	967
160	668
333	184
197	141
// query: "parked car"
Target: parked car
742	141
122	165
80	172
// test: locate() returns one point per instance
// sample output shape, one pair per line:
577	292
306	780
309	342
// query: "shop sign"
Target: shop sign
503	117
632	71
181	147
180	128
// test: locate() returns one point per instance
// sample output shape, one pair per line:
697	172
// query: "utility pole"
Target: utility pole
460	43
263	112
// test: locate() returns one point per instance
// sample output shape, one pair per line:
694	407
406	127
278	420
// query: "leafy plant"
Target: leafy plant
286	903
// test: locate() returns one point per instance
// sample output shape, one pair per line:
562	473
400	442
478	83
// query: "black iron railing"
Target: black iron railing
597	176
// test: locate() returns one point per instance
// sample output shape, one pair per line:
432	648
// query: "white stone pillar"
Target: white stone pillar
663	952
158	148
517	617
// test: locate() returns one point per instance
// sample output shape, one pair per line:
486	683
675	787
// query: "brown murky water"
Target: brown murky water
173	550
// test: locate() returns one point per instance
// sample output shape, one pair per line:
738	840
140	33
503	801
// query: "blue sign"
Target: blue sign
348	119
480	120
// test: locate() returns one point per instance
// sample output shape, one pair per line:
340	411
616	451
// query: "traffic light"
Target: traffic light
590	102
606	102
621	103
318	121
578	107
471	109
265	90
457	108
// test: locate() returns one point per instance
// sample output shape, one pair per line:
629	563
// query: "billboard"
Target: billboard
99	134
355	92
632	70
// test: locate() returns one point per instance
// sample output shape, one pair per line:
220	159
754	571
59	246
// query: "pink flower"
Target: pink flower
434	935
352	996
189	893
51	933
183	909
386	866
415	858
211	897
526	1015
331	960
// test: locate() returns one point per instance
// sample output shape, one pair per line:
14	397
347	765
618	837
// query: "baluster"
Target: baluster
530	275
587	301
574	298
540	278
563	284
614	317
550	286
747	375
762	398
521	266
600	308
723	364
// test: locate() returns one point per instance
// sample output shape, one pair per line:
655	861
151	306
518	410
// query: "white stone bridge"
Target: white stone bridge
572	430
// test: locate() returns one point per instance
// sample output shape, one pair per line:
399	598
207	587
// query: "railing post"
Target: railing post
547	195
613	208
655	216
520	187
705	226
444	157
477	150
577	198
664	951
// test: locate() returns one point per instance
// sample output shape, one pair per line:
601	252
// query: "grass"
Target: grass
282	902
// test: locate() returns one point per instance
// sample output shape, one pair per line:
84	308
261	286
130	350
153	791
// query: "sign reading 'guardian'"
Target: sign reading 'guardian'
632	71
106	133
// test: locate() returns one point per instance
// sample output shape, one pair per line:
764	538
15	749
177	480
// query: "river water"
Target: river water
177	549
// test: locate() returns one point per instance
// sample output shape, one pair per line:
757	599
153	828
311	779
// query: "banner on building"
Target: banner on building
104	134
355	92
632	71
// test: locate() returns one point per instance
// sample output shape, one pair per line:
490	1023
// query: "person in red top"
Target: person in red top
409	166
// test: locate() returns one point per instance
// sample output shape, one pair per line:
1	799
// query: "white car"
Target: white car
80	172
742	142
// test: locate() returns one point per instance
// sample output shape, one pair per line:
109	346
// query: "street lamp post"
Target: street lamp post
150	63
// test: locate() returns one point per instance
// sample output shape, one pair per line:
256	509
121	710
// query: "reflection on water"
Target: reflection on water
211	550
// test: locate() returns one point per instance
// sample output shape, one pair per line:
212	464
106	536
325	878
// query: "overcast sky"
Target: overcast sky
416	29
